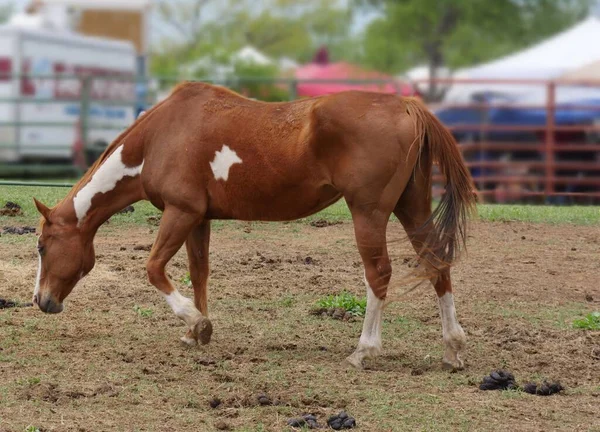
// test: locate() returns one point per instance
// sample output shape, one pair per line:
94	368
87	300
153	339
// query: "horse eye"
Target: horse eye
40	248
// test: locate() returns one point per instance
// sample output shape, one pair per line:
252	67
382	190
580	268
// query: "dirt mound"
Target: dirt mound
7	304
18	230
322	223
128	209
11	209
498	380
544	389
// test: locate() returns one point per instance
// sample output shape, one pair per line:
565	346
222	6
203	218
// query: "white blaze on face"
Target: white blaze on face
184	308
37	278
104	180
223	160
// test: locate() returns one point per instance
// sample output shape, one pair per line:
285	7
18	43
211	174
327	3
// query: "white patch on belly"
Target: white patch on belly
223	161
104	180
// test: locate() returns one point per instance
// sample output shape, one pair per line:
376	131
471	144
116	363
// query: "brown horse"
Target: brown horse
207	153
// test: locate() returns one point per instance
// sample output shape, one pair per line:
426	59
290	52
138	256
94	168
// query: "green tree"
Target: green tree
456	33
200	28
6	10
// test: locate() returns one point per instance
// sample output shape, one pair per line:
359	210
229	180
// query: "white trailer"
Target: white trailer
39	115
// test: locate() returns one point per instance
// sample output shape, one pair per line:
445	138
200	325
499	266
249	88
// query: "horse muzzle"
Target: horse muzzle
47	304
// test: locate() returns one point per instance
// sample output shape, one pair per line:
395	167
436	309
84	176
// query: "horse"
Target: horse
207	153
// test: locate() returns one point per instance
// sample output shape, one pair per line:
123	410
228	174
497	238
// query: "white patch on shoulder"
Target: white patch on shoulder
104	180
223	160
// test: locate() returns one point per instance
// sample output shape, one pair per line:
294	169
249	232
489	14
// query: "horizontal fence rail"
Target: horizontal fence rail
525	140
547	150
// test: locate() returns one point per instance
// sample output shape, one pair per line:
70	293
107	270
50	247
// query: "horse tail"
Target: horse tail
447	225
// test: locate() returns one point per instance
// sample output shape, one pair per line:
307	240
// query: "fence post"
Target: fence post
293	89
550	141
481	145
84	113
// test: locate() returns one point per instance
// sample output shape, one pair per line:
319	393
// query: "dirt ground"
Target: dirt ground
113	361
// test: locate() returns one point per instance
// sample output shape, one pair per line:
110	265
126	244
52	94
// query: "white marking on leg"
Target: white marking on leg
104	180
184	308
369	344
223	160
453	334
371	332
448	313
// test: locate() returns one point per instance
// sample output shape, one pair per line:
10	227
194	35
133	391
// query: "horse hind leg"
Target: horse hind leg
370	238
413	210
174	228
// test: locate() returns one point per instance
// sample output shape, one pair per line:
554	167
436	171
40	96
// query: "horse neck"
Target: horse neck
108	187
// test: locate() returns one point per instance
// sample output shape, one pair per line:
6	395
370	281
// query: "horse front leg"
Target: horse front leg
197	245
175	227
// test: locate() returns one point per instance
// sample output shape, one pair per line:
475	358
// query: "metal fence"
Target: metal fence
549	156
46	120
546	151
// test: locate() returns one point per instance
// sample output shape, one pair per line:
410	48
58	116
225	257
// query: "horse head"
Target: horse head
65	256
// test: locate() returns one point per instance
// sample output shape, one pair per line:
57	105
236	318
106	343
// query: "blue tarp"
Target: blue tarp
565	114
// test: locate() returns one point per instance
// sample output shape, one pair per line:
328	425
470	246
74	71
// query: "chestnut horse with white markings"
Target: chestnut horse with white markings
207	153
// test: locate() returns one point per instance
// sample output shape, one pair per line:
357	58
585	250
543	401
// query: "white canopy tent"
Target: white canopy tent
590	72
553	58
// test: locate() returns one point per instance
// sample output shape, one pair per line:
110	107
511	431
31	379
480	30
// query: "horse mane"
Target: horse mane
114	144
189	87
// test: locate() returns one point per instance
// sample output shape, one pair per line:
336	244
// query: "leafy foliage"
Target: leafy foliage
6	10
457	33
208	28
345	300
143	312
590	322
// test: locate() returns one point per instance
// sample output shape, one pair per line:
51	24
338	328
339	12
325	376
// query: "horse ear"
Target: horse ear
44	211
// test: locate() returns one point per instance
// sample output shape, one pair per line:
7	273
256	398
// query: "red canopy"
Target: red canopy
321	69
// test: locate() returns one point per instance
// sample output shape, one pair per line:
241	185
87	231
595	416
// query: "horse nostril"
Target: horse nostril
35	299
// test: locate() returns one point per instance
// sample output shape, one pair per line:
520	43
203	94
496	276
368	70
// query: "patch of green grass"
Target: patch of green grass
23	195
143	312
288	301
345	300
32	428
29	381
579	215
187	280
590	322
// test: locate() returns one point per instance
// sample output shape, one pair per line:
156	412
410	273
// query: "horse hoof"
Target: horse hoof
453	366
203	330
188	341
353	362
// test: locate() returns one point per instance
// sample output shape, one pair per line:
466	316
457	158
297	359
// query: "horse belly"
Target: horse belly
288	203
